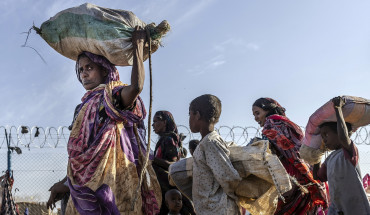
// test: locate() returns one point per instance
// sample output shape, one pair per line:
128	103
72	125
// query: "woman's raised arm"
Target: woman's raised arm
131	92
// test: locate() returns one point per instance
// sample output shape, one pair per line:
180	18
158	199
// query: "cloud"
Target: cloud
208	65
5	3
7	10
218	63
156	9
236	42
253	46
48	102
199	6
219	60
58	6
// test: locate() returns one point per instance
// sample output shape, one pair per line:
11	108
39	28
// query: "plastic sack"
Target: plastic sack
181	176
263	177
98	30
356	111
311	155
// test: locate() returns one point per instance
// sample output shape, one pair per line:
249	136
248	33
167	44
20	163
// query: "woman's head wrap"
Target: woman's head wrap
168	118
270	105
101	61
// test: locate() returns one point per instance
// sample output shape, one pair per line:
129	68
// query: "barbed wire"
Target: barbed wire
37	169
55	137
34	137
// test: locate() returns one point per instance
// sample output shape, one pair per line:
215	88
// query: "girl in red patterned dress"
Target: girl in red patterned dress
307	194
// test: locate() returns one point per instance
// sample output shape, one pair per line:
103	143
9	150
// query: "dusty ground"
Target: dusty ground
38	208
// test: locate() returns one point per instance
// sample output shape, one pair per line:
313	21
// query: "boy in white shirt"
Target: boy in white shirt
214	177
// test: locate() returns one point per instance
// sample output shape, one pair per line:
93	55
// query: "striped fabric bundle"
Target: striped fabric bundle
101	31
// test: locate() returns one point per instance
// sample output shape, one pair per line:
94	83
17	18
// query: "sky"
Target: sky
301	53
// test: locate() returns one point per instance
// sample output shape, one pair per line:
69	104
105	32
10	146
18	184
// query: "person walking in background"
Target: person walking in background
341	168
285	137
214	177
167	151
193	145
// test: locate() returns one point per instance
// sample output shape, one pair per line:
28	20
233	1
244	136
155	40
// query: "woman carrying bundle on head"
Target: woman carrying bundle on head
106	137
307	194
167	150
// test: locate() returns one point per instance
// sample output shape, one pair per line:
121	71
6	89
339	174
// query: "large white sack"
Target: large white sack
98	30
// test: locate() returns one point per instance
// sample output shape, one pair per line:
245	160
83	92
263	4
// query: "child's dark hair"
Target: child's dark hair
170	192
208	106
193	144
333	126
270	105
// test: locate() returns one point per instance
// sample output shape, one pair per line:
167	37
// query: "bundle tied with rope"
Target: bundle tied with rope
143	162
101	31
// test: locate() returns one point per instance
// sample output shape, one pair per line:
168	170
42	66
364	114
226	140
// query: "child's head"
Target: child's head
205	108
193	145
173	200
329	134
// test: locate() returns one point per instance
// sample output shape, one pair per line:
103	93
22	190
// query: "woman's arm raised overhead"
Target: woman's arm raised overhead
131	92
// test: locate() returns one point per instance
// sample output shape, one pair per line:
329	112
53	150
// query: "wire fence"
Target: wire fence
57	137
43	158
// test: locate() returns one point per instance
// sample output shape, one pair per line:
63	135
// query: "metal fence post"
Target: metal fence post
9	154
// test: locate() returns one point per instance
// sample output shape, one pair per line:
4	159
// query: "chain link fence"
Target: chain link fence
43	158
38	160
